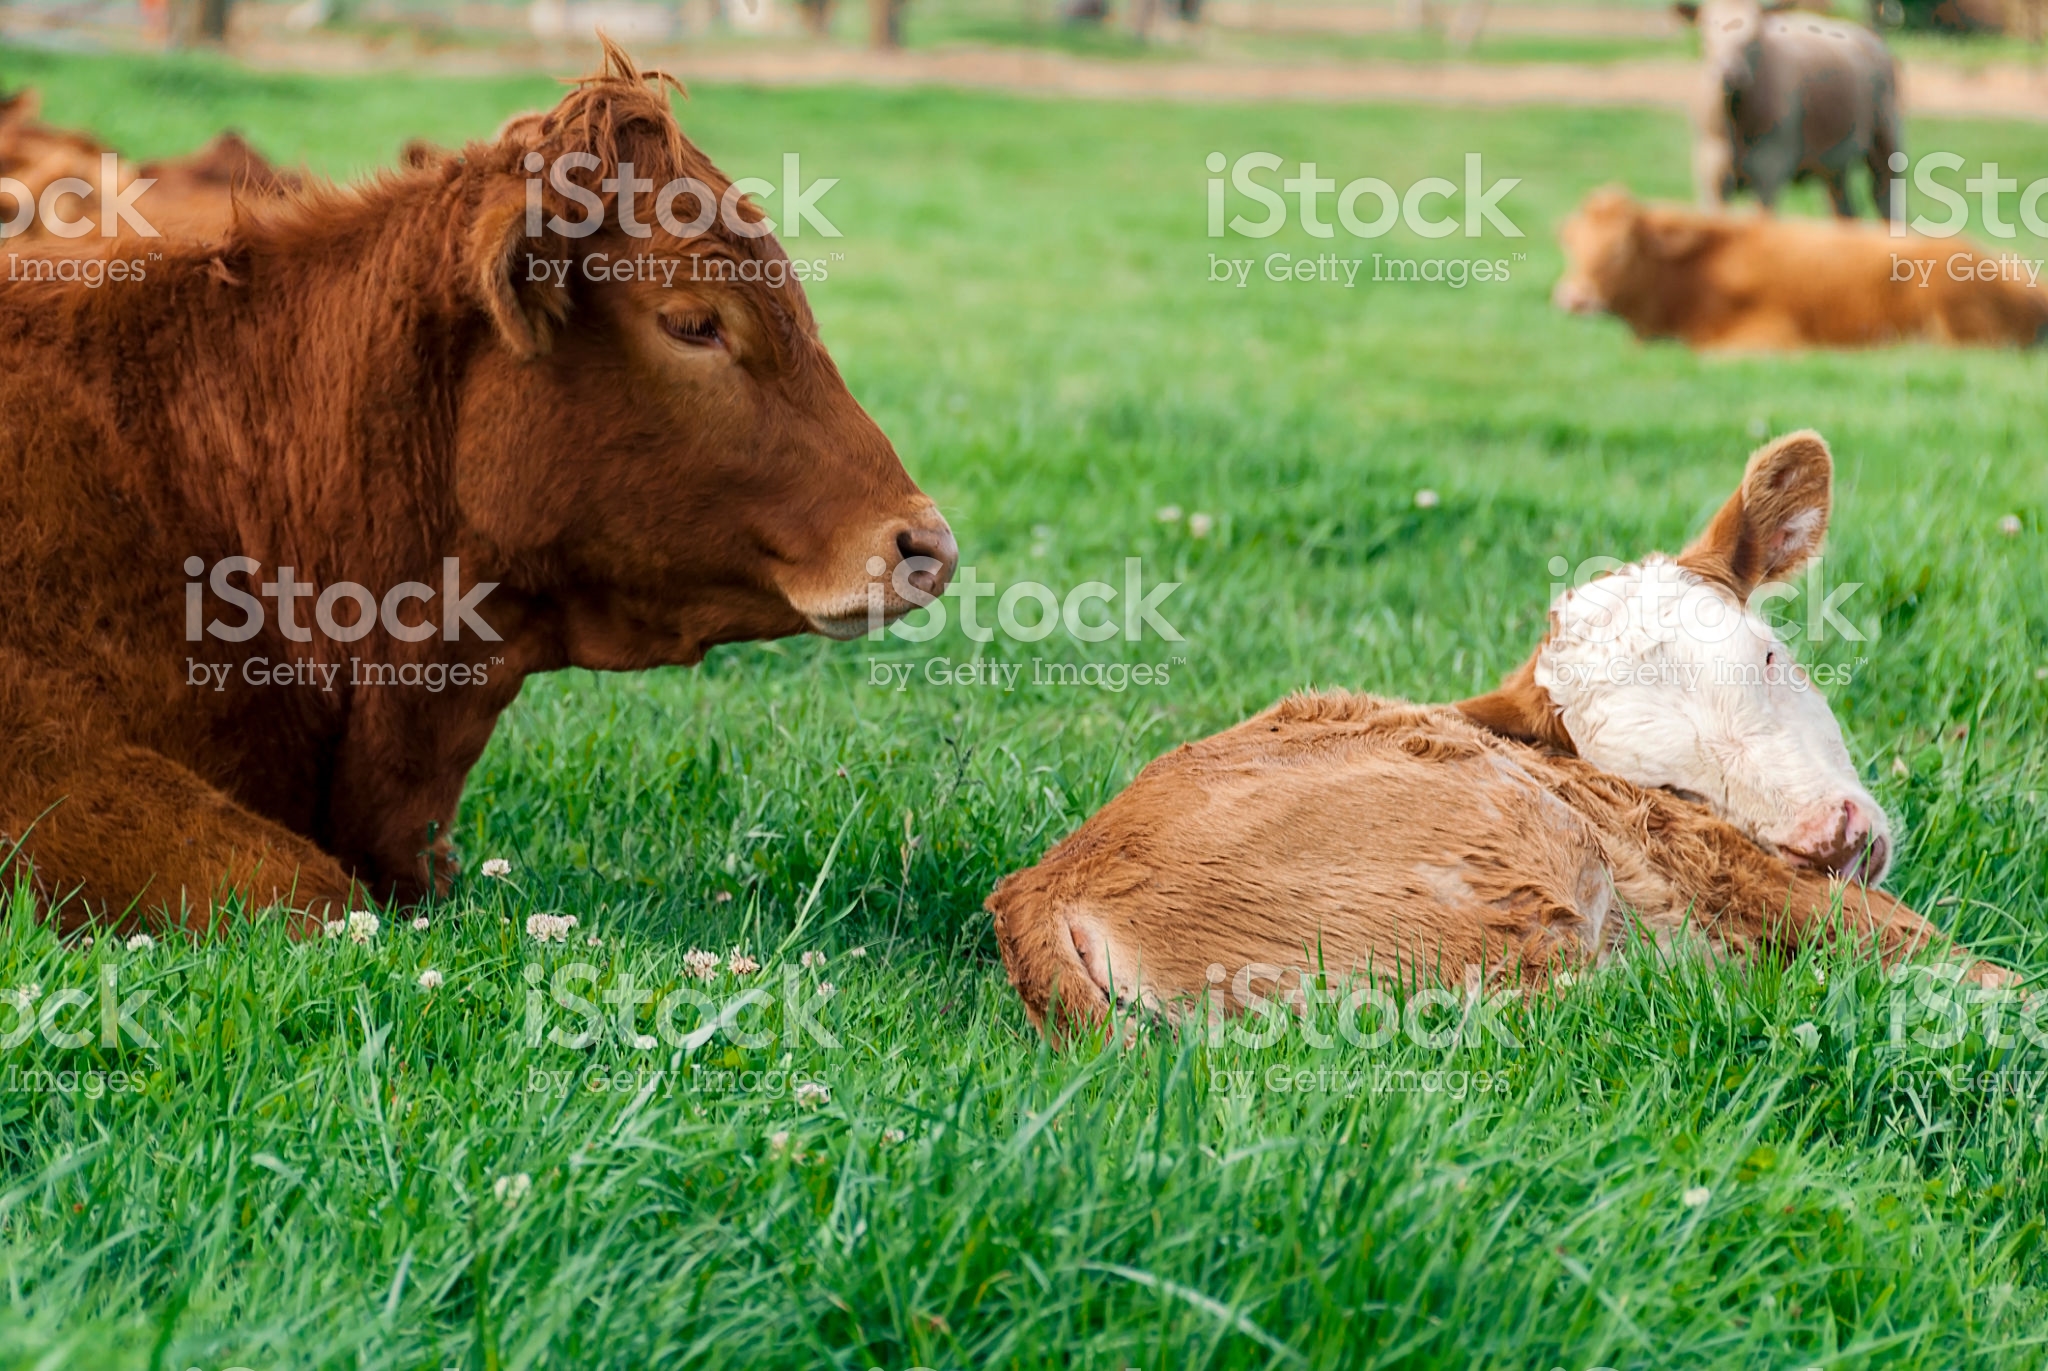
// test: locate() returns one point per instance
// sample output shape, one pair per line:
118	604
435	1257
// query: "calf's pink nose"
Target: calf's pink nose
1851	846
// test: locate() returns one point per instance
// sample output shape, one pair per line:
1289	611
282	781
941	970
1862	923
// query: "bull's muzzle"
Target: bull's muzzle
932	553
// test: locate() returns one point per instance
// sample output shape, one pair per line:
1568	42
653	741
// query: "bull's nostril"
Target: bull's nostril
934	544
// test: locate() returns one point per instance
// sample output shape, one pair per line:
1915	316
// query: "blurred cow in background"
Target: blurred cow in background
1755	283
187	197
1788	95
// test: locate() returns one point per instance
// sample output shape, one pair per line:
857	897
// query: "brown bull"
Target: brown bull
286	524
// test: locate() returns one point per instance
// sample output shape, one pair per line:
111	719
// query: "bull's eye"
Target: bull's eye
693	330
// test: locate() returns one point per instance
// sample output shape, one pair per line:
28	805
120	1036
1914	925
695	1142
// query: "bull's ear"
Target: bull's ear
1775	523
1520	709
517	278
1687	10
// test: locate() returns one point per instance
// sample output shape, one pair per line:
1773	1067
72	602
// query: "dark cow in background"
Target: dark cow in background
1788	95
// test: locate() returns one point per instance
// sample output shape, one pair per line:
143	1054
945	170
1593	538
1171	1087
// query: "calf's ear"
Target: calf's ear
1520	709
1687	10
1775	522
518	279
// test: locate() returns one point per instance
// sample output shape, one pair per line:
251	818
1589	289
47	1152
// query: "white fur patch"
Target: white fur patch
1663	677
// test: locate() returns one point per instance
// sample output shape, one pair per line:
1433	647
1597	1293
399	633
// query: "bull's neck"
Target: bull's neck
294	397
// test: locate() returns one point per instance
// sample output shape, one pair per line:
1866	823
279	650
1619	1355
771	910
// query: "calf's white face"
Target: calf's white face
1667	678
1662	673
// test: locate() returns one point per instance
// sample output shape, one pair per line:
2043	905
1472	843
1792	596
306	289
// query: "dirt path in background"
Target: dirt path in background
2006	91
2003	91
1997	91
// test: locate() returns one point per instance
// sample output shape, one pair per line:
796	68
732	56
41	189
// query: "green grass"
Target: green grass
308	1174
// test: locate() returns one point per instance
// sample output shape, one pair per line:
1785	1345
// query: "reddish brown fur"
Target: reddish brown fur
1361	835
195	196
358	384
1724	281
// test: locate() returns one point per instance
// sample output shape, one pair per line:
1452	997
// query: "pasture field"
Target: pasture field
1666	1164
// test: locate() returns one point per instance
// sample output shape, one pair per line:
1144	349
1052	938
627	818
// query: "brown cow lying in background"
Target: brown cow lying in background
195	195
285	530
1658	753
1723	281
188	197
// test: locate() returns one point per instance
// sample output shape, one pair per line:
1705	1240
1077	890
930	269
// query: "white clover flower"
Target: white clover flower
512	1189
892	1136
1696	1197
549	928
778	1142
1820	974
1427	498
595	941
700	964
858	952
26	996
2010	525
419	925
740	964
826	990
722	897
813	959
811	1094
85	943
363	926
497	868
141	942
1168	514
1808	1036
430	979
334	928
1200	525
643	1042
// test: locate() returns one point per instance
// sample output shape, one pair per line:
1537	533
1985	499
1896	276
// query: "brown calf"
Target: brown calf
1350	835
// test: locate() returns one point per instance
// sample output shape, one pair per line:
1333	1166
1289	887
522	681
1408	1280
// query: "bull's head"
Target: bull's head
1663	672
658	450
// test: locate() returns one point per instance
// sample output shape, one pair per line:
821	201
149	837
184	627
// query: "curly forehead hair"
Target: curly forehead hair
619	115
